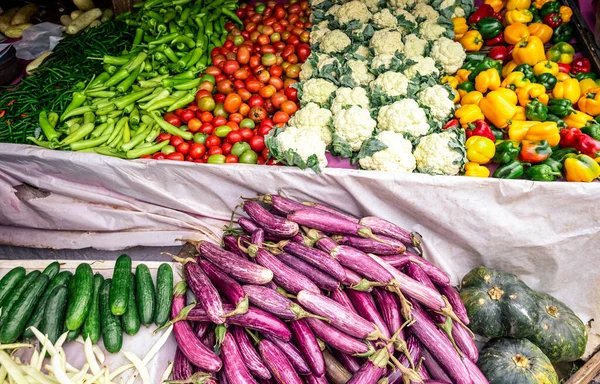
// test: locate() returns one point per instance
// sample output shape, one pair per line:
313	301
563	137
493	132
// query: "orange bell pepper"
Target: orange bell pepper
565	13
508	68
473	97
498	107
520	115
516	32
540	30
471	41
487	80
517	130
468	114
544	131
462	75
590	102
498	5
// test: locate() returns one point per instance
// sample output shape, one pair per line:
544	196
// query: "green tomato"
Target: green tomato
168	149
220	111
247	123
216	159
200	138
238	40
248	157
222	131
260	8
209	78
239	148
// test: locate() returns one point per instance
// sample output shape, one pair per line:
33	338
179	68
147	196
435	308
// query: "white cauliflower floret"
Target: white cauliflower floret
385	19
363	51
431	30
437	98
384	60
397	157
424	66
304	142
436	156
414	46
333	10
318	31
307	70
354	10
335	41
314	3
449	53
386	41
373	5
347	97
458	12
318	91
403	116
354	125
360	72
426	12
401	4
391	83
311	116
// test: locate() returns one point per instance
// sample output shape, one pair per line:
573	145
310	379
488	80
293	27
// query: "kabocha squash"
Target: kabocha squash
515	361
498	303
559	333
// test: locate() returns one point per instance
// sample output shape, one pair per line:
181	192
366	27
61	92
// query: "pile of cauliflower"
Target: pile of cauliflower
372	89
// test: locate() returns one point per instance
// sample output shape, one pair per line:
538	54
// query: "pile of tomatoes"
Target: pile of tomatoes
246	92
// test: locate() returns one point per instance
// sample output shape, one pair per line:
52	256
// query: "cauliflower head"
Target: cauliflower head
373	5
414	46
307	70
318	31
335	41
391	83
458	12
385	19
363	51
354	125
431	30
315	118
437	98
381	61
354	10
318	91
333	10
305	142
449	53
386	41
401	4
424	11
397	157
440	154
403	116
347	97
424	66
359	72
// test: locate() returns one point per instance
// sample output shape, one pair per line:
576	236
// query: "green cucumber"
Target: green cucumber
112	334
55	312
91	327
121	284
131	319
72	335
14	324
164	294
10	281
81	290
12	300
144	292
36	319
52	270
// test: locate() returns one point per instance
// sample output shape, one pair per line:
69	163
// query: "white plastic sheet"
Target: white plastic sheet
547	233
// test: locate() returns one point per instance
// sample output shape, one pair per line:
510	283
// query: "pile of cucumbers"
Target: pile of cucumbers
84	303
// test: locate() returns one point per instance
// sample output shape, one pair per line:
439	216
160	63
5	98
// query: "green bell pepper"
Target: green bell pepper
560	107
550	7
554	164
585	75
506	151
563	33
556	52
536	111
484	65
548	80
467	86
475	56
511	170
536	14
560	154
527	70
560	123
498	133
541	172
592	129
470	65
489	27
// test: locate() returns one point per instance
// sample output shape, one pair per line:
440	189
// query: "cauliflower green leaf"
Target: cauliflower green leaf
289	157
368	148
340	147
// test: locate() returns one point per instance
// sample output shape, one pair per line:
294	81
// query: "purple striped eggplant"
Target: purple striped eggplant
423	372
334	370
329	223
255	318
365	306
416	272
320	278
202	328
258	237
434	369
309	346
230	288
339	317
338	339
389	307
209	339
436	275
358	283
247	224
361	263
187	341
233	364
340	296
464	341
457	305
322	242
282	370
390	247
380	226
293	355
272	224
241	270
316	257
333	211
231	245
284	276
205	292
250	357
250	226
182	368
373	369
351	363
475	373
414	350
281	205
275	303
312	379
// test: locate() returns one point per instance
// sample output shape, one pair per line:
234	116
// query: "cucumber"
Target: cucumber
72	335
52	270
12	300
55	312
91	327
121	284
131	319
164	294
144	293
81	290
14	324
10	281
36	319
112	334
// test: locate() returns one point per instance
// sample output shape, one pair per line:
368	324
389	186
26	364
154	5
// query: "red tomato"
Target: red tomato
287	51
232	103
207	128
207	85
226	147
276	82
212	70
279	46
236	118
263	75
267	91
278	98
244	109
303	51
183	148
257	143
194	125
219	98
230	67
206	104
293	71
215	150
254	61
276	71
253	85
244	94
175	141
280	117
197	150
163	137
291	93
225	86
219	120
265	49
187	115
305	37
269	107
233	125
246	133
175	156
172	119
205	117
256	101
159	156
234	137
202	93
243	55
289	107
178	112
231	159
265	153
241	74
220	77
218	60
212	141
257	113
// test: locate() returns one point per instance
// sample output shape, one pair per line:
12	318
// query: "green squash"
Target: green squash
515	361
559	333
498	304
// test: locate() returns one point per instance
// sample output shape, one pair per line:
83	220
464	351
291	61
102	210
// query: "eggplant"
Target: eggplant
365	306
457	305
332	211
293	355
361	263
205	292
351	363
340	296
282	370
275	303
241	270
309	346
389	308
433	367
313	379
233	364
231	244
202	328
272	224
320	278
182	368
464	341
338	339
281	205
390	247
258	237
414	350
436	275
284	276
475	373
334	370
316	257
329	223
250	357
230	288
381	226
373	369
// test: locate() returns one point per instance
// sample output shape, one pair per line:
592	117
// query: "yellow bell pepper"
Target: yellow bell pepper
460	27
508	68
468	113
520	115
581	168
517	4
475	170
540	3
480	149
523	16
540	30
517	130
462	75
473	97
544	131
545	66
565	13
471	41
590	102
529	51
532	91
498	107
498	5
451	80
577	119
515	80
515	33
567	89
561	76
487	80
586	84
508	94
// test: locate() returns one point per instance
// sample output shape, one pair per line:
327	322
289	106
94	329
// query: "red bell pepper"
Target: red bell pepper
568	137
587	145
451	124
480	128
510	49
564	68
553	20
499	53
497	15
581	65
495	40
485	10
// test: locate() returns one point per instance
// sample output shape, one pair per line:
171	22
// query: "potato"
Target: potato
66	20
84	5
76	14
84	20
16	31
36	63
107	15
94	23
24	14
6	18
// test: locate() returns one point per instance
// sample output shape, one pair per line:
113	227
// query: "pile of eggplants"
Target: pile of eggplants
303	293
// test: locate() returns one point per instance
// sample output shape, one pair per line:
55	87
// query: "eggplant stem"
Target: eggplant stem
196	378
242	248
240	309
404	303
447	328
182	315
401	343
408	375
195	243
178	259
449	312
255	338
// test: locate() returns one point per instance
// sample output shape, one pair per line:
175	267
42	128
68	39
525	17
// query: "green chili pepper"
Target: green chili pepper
560	154
511	170
89	117
173	130
153	134
563	33
115	114
137	139
91	143
541	172
119	76
131	98
78	100
136	153
527	70
110	69
190	84
79	134
53	119
134	117
536	111
555	165
232	16
548	80
560	107
108	151
40	143
106	128
99	80
506	151
114	60
77	112
47	128
160	96
188	42
182	102
165	39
